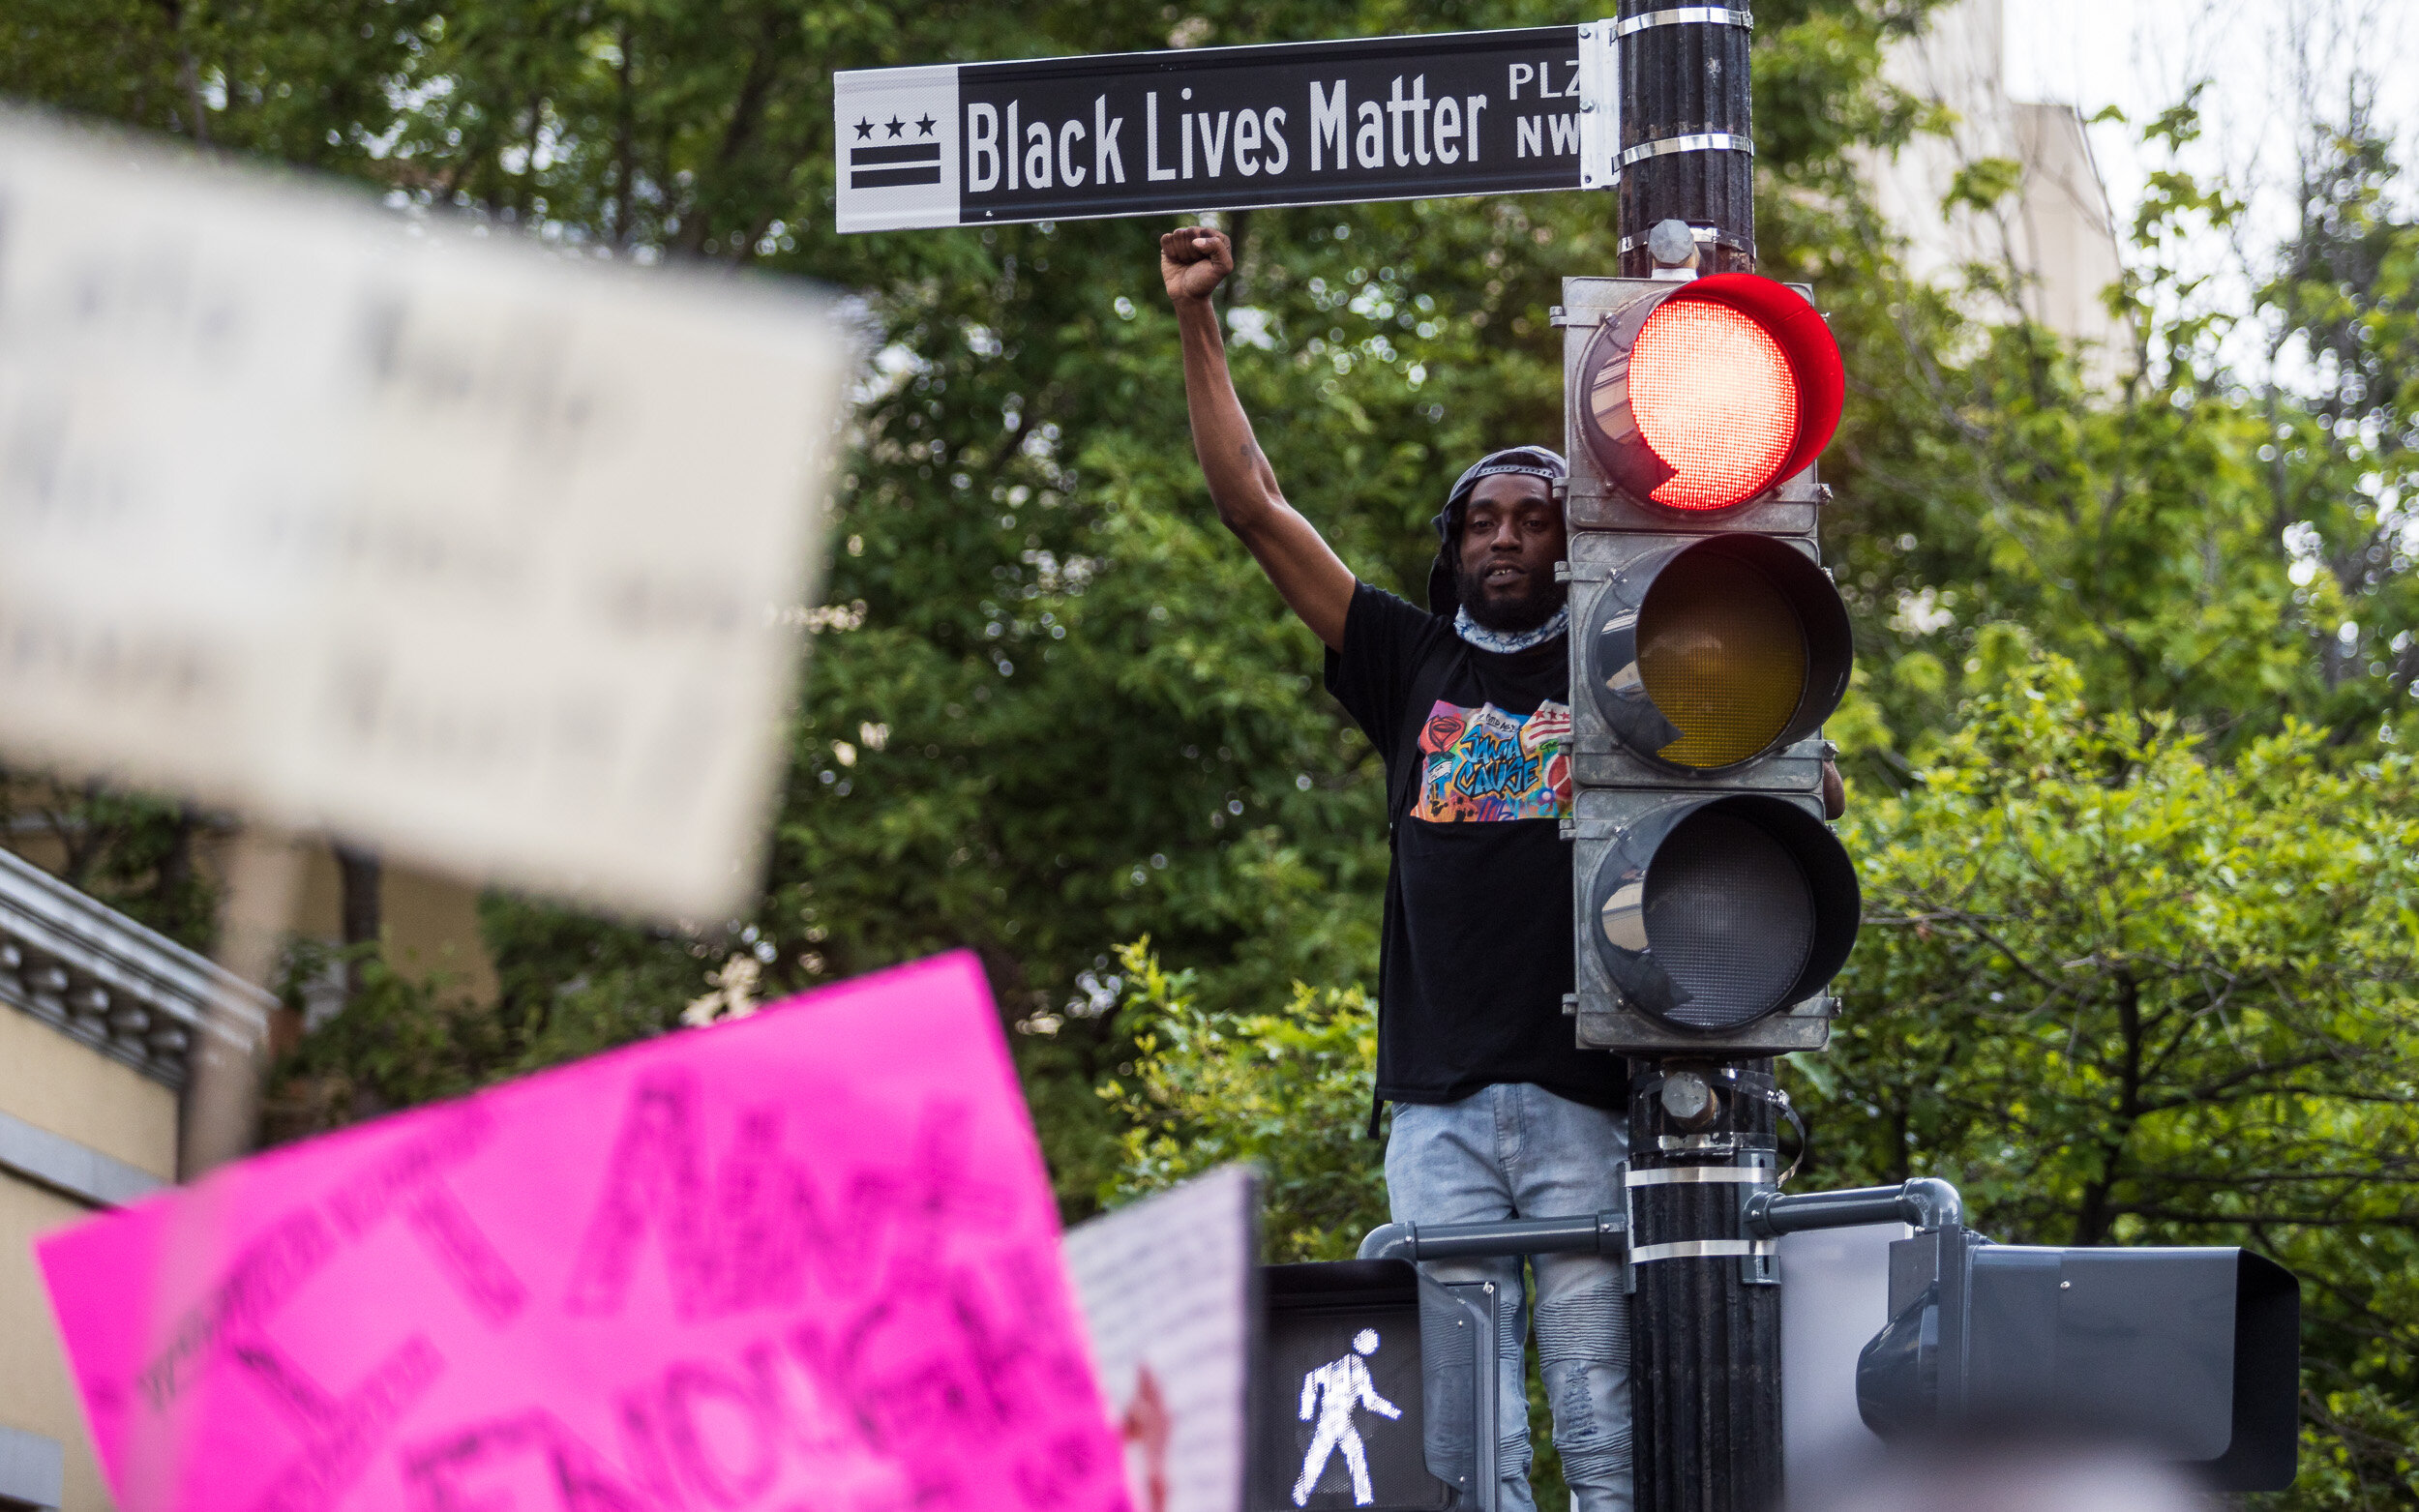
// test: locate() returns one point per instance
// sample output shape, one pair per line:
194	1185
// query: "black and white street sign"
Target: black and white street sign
1227	127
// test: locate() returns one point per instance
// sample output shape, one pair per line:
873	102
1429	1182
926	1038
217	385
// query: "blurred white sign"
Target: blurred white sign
455	547
1167	1287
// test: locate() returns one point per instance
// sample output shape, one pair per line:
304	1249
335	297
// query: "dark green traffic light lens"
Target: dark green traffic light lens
1731	917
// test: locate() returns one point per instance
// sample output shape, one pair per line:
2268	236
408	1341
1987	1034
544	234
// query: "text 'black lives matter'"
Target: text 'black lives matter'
1223	128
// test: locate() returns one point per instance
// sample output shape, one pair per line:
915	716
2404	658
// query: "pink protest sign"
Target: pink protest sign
808	1261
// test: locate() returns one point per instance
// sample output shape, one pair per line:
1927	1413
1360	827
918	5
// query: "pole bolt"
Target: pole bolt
1671	244
1688	1100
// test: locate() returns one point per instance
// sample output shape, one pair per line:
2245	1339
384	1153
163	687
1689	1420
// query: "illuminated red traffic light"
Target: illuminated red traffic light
1726	437
1703	398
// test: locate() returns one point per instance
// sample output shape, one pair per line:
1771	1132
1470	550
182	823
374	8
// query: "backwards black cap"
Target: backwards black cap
1534	462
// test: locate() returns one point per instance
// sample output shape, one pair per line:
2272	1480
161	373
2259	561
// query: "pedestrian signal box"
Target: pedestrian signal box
1712	906
2191	1355
1374	1391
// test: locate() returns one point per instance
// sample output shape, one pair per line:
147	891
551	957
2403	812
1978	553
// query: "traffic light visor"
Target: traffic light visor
1713	393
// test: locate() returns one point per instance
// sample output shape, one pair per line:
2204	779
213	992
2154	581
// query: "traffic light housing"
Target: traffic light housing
2191	1355
1712	905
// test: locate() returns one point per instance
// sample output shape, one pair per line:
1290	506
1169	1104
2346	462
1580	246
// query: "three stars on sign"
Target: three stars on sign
895	126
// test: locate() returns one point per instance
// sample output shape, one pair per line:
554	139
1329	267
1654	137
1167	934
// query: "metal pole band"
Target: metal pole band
1687	16
1699	1249
1702	141
1684	1176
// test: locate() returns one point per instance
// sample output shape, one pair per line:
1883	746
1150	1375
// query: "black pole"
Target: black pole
1687	132
1705	1316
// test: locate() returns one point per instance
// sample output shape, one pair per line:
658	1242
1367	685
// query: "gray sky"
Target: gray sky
2139	55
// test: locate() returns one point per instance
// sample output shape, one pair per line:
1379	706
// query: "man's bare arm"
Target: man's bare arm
1308	575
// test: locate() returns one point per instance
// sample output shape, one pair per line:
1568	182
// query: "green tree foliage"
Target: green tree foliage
298	82
2341	468
406	1038
136	852
1286	1091
2234	547
2115	961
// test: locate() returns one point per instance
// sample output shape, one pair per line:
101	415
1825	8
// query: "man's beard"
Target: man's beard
1538	598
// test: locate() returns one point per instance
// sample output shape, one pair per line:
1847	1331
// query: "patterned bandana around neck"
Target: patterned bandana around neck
1506	641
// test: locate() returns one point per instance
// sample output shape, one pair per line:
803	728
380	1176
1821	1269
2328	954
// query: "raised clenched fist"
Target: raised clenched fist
1193	260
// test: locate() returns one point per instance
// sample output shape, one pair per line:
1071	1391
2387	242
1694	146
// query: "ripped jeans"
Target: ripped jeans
1515	1151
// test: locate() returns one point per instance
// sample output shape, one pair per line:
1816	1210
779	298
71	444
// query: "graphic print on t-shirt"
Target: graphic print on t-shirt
1483	765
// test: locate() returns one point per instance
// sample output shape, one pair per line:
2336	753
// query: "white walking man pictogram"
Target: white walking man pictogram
1336	1390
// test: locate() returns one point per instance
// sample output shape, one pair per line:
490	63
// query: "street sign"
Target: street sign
1226	128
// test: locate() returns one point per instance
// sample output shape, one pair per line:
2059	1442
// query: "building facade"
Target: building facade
2054	240
99	1021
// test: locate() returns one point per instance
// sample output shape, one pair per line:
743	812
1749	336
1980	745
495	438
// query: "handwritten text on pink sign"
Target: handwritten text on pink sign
808	1261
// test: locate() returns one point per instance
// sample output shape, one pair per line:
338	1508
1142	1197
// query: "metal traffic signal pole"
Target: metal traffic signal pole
1687	145
1705	1312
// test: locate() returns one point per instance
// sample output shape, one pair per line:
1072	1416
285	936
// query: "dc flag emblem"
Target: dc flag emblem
886	165
897	130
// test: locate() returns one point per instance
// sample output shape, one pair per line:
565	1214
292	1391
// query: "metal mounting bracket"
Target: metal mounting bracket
1600	103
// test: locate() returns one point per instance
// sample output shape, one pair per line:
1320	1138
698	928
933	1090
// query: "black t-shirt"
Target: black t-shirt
1477	953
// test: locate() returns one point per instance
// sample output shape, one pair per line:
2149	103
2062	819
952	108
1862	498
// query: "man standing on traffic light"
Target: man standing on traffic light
1498	1114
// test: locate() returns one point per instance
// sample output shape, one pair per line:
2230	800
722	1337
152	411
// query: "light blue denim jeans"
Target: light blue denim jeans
1518	1152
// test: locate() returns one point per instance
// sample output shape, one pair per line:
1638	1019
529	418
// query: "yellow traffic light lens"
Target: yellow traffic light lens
1714	397
1722	655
